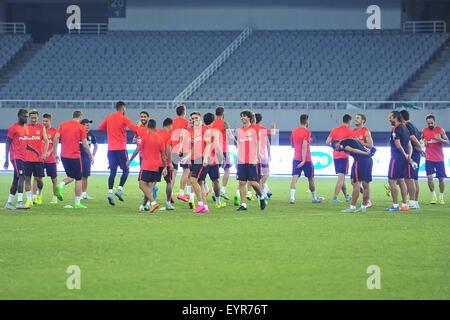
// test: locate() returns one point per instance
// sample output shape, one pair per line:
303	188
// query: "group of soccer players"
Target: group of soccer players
199	144
408	145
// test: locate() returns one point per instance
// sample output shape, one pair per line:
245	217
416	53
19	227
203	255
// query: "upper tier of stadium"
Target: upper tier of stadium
267	66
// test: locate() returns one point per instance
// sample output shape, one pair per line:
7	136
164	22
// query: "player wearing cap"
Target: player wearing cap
154	164
247	160
302	162
412	173
85	160
70	133
50	167
34	163
15	149
401	151
361	170
434	138
115	126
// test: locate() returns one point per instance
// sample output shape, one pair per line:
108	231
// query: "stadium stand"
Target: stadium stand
321	65
10	45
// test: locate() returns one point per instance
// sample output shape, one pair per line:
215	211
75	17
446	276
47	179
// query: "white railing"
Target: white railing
90	28
208	72
230	104
13	27
424	26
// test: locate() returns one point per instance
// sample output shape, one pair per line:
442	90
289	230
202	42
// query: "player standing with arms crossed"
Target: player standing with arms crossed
341	158
115	126
435	138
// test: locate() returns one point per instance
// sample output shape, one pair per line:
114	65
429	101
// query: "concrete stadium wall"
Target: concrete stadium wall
236	15
286	120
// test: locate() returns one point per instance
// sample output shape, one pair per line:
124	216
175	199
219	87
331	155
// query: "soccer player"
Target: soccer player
166	133
224	128
412	173
301	142
212	156
264	154
195	154
34	163
247	160
16	146
341	158
361	170
434	138
363	134
85	160
115	126
401	151
153	165
70	133
50	161
181	145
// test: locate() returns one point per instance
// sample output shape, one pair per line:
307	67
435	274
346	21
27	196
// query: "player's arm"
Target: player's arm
207	151
103	125
398	145
130	125
45	154
7	147
330	138
30	148
86	148
369	143
94	152
415	143
169	153
444	138
304	150
229	133
55	146
356	151
164	159
269	153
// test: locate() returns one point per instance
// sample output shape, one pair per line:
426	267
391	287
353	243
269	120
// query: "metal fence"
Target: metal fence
250	104
424	26
13	28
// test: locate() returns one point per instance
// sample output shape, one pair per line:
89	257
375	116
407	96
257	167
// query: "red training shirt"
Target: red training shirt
299	135
71	132
19	140
115	126
341	133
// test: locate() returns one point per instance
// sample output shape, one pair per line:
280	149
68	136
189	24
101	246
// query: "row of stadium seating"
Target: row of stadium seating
10	45
270	65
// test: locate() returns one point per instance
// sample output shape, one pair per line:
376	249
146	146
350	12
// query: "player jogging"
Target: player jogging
341	158
302	162
434	138
361	172
70	133
115	126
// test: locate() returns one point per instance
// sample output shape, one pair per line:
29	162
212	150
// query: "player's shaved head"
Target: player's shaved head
120	105
208	118
405	115
181	110
258	117
151	124
167	122
77	114
304	119
220	111
346	118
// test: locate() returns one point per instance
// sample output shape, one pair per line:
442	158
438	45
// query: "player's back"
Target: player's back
340	133
71	133
115	125
152	144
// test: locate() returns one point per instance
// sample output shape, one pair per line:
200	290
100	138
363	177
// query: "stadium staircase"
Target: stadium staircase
19	61
424	75
213	67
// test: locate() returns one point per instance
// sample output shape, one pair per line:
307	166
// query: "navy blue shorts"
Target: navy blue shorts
227	161
196	166
150	176
86	166
341	165
35	169
398	168
182	165
73	168
307	169
247	172
438	168
118	158
362	169
212	171
412	173
51	170
19	167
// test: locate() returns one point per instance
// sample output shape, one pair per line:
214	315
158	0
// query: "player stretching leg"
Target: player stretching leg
435	138
301	141
115	126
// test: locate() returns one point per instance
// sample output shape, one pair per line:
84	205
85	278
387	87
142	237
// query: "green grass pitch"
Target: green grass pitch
301	251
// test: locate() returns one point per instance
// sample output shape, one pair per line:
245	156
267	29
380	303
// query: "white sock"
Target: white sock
10	198
404	204
243	204
292	194
77	200
62	184
352	207
238	193
223	189
181	192
441	195
313	195
192	196
200	203
20	197
55	197
395	205
188	189
110	191
34	197
206	187
29	196
363	206
266	188
168	203
206	207
120	188
218	199
83	194
153	203
433	194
